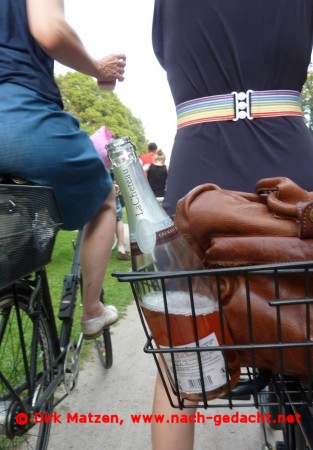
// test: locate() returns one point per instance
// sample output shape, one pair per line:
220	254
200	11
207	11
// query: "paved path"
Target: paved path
127	389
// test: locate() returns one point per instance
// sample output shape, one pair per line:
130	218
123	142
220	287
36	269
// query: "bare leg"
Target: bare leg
170	436
121	253
95	253
120	233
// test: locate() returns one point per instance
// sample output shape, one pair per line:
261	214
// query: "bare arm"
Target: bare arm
146	167
60	41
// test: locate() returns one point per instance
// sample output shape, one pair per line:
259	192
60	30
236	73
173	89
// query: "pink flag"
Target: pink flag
100	139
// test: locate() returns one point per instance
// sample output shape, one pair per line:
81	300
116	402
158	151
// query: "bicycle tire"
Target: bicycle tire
104	343
104	348
274	409
18	331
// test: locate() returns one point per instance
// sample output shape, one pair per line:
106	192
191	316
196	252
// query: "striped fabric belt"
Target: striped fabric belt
239	105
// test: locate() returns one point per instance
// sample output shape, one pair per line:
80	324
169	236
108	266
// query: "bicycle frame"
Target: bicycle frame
68	300
33	392
41	297
62	342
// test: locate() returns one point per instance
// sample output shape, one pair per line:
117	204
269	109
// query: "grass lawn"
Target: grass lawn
118	294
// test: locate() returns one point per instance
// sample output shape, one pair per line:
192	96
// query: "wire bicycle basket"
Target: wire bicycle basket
276	355
29	222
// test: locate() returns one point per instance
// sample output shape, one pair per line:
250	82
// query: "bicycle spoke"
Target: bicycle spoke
18	393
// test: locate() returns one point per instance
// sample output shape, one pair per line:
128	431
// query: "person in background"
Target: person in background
44	145
100	139
157	174
122	254
148	158
235	70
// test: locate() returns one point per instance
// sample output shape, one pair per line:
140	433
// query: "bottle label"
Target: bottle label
166	235
187	367
147	238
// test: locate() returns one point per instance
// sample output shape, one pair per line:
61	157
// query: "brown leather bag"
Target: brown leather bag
275	225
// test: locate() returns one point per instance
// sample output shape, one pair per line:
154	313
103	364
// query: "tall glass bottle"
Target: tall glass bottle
156	245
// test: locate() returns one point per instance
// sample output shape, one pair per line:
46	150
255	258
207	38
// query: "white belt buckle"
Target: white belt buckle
242	106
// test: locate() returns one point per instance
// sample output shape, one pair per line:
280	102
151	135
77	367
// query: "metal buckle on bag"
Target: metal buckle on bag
242	105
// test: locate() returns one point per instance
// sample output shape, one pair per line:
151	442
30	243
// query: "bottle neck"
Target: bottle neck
145	215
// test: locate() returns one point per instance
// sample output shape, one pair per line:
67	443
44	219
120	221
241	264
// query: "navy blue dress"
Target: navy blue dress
219	46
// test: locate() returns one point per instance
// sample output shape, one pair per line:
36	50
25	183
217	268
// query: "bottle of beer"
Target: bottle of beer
156	245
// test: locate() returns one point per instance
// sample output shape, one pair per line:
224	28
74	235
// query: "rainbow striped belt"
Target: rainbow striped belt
239	105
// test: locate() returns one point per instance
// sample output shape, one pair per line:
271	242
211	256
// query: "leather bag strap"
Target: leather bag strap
287	199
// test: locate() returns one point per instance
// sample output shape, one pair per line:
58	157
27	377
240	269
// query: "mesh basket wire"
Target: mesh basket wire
257	386
29	222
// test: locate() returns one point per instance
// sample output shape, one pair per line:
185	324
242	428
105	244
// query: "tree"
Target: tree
307	101
94	108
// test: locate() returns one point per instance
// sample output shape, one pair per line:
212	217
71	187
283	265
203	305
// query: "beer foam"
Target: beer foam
178	303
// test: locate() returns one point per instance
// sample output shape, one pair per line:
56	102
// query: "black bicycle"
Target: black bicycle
284	401
35	358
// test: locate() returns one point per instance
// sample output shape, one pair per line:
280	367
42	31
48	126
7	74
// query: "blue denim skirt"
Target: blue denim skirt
44	145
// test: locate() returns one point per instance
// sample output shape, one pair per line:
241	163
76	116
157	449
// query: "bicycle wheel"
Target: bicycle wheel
104	347
25	372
